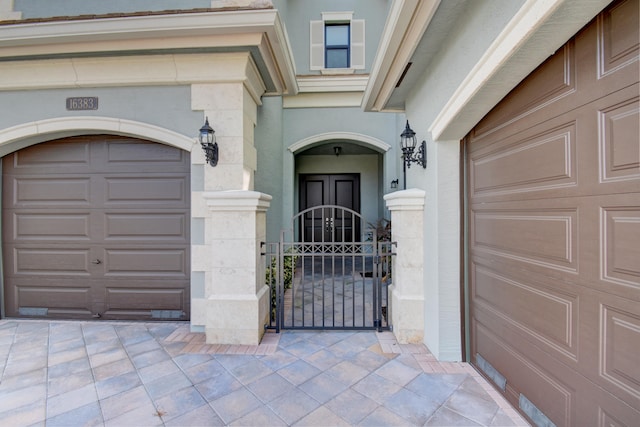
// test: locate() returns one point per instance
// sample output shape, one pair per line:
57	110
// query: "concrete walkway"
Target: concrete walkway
57	373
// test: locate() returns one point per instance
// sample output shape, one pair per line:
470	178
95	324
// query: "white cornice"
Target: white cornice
261	29
406	23
133	71
354	83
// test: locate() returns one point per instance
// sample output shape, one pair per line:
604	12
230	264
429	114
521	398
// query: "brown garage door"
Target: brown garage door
554	232
96	226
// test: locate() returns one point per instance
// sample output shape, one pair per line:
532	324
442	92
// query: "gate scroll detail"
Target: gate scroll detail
325	273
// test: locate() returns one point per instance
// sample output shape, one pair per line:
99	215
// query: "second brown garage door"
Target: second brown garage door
96	227
554	232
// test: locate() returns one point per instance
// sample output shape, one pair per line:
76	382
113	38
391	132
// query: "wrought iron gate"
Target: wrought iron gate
325	273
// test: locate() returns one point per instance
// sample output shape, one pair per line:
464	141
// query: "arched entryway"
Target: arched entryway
96	227
337	161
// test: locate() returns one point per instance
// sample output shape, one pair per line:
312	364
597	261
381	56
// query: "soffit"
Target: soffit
259	32
415	30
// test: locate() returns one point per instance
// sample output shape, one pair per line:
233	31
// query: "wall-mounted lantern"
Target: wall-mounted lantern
394	183
408	145
208	142
409	154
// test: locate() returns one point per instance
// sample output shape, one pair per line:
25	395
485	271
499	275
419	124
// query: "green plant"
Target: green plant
289	261
382	228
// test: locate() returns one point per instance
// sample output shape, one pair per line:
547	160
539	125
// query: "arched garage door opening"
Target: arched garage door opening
96	227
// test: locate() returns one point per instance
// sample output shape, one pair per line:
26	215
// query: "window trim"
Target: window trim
356	48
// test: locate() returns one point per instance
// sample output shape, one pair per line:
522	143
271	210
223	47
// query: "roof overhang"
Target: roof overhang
259	32
536	31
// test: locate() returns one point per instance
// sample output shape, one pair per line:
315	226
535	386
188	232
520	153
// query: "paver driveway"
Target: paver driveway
138	374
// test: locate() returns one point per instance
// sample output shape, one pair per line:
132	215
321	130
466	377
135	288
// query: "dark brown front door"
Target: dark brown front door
97	227
554	232
330	225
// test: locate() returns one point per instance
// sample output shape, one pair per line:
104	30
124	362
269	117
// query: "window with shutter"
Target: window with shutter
337	42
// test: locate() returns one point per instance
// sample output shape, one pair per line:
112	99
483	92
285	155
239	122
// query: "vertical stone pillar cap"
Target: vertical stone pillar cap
237	200
412	199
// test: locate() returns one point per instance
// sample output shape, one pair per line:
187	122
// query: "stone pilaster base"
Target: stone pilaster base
407	317
237	319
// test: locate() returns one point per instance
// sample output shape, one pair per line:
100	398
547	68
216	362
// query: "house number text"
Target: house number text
82	103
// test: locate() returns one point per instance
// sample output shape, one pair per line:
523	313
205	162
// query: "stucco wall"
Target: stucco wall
475	29
165	106
298	14
269	174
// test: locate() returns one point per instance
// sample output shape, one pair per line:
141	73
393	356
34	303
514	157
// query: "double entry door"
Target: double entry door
330	225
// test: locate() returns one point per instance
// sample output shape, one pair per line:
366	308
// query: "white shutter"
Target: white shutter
357	44
316	52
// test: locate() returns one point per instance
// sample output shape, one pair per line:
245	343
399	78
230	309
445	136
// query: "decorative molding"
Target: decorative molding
133	71
237	200
260	29
323	100
26	134
370	141
339	83
412	199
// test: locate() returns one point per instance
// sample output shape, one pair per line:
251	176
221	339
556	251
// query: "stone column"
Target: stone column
229	297
407	290
237	298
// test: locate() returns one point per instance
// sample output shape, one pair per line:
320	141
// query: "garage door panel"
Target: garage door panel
56	158
619	341
536	236
149	262
618	141
543	161
47	298
556	80
131	154
591	241
567	397
146	226
134	299
50	261
49	192
145	190
592	333
616	42
620	248
554	393
519	305
46	226
539	161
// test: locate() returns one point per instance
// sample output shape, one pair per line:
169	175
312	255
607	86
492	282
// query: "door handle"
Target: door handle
328	224
96	261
